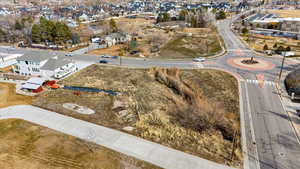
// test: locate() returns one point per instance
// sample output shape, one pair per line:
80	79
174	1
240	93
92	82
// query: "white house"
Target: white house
8	59
58	68
44	64
117	38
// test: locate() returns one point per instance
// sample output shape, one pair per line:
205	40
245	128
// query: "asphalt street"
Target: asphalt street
270	139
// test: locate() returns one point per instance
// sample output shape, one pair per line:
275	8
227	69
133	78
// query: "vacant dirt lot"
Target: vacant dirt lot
154	42
200	42
113	51
8	96
28	146
286	13
195	111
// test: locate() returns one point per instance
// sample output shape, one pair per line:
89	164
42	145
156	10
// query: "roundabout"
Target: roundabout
248	63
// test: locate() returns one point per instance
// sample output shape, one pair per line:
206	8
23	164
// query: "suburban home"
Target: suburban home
44	64
8	59
117	38
34	84
58	68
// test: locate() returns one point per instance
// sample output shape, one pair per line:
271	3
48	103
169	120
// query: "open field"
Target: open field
8	96
24	145
286	13
202	42
195	111
113	51
153	42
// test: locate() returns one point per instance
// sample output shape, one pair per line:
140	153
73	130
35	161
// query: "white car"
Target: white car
199	59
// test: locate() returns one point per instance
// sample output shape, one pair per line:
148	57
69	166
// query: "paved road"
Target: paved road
270	139
119	141
269	127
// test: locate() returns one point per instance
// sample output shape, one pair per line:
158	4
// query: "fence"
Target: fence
89	89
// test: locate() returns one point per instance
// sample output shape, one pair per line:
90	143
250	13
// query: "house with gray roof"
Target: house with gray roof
117	38
44	64
58	67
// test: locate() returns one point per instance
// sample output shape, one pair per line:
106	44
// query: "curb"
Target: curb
279	87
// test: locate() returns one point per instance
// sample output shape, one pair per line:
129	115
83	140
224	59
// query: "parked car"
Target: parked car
115	57
199	59
134	52
103	61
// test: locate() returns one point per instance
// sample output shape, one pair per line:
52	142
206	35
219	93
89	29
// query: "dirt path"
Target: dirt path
8	96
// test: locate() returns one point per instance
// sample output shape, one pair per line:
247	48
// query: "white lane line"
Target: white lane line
252	128
243	129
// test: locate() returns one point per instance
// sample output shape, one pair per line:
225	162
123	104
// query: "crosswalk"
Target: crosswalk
264	82
198	65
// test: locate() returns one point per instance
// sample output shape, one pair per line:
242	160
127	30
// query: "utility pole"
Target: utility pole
120	60
280	73
233	145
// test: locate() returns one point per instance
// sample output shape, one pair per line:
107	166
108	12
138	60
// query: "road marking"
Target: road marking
243	129
198	65
252	128
269	83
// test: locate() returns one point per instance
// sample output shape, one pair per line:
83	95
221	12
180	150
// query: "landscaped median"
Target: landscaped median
195	111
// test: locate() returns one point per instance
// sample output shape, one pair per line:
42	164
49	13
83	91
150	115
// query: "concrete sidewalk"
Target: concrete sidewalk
130	145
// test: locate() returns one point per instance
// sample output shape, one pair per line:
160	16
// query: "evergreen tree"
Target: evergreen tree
113	25
220	15
166	17
245	30
36	34
2	35
61	33
18	25
266	47
183	14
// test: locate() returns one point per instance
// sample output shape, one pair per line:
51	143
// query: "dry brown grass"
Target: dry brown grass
27	146
9	97
195	111
112	51
203	42
257	42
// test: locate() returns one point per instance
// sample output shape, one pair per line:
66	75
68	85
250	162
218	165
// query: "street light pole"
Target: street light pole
280	73
120	60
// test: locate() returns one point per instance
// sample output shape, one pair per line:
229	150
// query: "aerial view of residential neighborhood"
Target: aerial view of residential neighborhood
149	84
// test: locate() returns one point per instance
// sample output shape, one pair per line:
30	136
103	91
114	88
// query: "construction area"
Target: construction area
195	111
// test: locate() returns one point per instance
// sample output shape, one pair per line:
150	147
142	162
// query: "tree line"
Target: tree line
49	31
197	18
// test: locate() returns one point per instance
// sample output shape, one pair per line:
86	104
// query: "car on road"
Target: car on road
69	54
114	57
199	59
105	56
103	61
